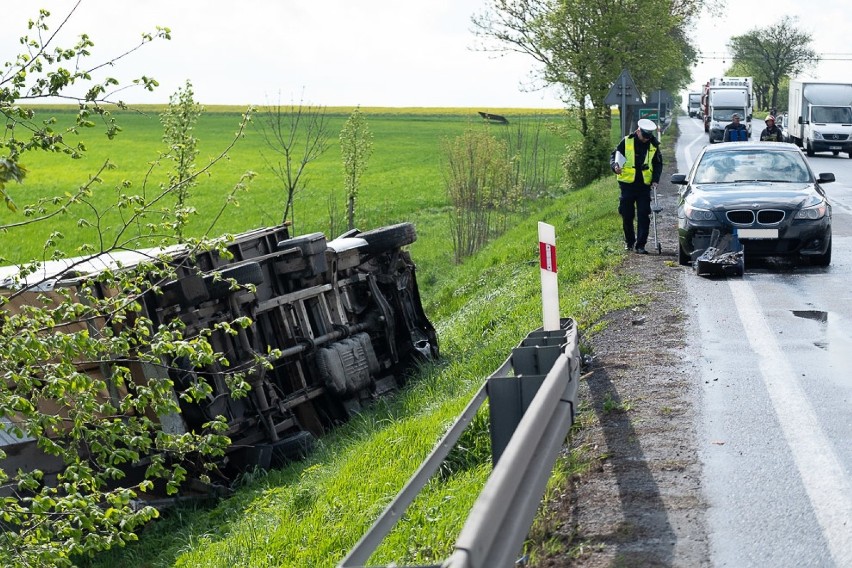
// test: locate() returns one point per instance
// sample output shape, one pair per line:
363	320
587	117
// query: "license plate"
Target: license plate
758	233
834	148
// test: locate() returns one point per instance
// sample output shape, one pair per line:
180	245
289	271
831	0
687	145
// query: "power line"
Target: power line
820	56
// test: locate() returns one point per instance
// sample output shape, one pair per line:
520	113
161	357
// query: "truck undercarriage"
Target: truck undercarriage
331	326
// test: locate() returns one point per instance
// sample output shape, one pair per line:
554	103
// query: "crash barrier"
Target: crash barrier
343	318
532	399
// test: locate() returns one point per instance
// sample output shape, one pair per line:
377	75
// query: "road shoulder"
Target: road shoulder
640	502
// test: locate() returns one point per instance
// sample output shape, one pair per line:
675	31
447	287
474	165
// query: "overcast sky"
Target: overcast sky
360	52
828	22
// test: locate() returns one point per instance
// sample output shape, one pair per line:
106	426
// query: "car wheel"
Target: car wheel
823	259
386	238
682	258
850	155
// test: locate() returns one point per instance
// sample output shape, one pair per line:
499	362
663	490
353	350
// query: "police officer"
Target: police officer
771	133
638	164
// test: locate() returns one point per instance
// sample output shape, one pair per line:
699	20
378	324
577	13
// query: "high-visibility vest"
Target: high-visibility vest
628	170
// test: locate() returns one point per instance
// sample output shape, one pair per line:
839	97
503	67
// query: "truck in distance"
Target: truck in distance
724	102
694	105
820	116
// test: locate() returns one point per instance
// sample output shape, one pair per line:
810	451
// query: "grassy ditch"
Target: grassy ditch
313	512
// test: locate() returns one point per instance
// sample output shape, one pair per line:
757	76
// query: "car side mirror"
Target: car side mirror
826	178
801	120
680	179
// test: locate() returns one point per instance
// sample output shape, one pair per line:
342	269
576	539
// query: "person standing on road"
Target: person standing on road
771	133
638	164
735	131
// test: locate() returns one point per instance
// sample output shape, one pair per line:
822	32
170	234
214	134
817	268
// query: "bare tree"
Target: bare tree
772	53
297	134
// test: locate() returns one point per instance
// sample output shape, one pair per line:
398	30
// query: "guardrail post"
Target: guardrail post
510	396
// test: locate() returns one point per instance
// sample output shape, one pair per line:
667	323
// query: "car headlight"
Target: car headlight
697	214
811	213
817	135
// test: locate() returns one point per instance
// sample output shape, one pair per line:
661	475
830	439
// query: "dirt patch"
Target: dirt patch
641	503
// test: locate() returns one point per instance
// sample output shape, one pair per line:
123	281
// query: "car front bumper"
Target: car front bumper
831	145
798	238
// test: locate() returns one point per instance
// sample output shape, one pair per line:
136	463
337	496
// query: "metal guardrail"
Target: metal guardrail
532	400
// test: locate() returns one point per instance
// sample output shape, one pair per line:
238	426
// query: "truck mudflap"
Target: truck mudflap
333	325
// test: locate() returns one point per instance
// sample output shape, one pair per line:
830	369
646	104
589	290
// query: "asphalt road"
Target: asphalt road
774	356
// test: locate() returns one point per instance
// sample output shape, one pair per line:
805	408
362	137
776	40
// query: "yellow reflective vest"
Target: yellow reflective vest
628	170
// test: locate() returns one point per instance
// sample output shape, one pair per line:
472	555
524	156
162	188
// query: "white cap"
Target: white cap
647	125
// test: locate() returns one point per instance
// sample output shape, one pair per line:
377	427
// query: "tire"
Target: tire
823	259
682	258
390	237
850	155
243	274
835	152
808	149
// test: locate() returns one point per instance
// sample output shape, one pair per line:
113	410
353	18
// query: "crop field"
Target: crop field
403	180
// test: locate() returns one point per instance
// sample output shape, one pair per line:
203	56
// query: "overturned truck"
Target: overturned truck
333	325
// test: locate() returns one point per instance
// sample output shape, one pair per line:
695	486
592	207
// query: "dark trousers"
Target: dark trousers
635	203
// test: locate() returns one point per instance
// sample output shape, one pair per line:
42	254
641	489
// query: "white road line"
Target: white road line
688	151
822	474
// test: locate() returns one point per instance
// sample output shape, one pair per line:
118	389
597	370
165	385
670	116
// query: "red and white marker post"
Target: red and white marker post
549	284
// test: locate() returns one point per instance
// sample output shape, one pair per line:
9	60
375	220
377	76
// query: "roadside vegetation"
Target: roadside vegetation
481	308
67	194
312	512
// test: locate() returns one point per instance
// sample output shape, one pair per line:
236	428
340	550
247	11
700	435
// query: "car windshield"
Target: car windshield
754	165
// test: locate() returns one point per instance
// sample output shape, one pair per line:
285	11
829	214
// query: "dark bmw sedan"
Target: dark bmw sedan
765	192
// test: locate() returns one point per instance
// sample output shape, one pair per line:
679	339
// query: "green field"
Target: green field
403	180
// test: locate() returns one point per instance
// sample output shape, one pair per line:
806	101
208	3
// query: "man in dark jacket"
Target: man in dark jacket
736	131
638	164
771	133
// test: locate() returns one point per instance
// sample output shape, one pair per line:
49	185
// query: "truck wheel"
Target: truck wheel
808	149
386	238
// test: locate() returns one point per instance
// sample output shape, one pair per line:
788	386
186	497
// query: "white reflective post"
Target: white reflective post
549	284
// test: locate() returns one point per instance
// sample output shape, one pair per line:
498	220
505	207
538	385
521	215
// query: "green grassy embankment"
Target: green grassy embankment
312	512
